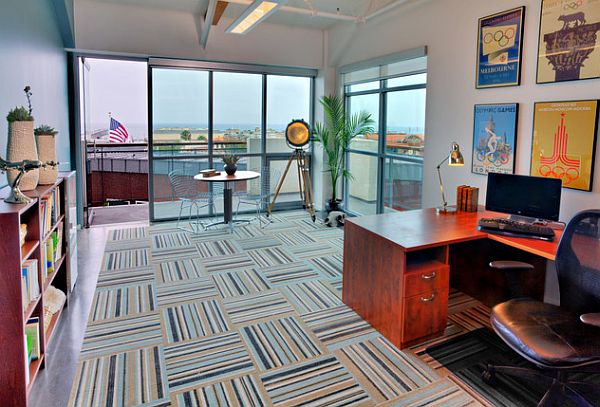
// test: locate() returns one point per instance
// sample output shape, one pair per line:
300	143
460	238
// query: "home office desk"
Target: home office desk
398	268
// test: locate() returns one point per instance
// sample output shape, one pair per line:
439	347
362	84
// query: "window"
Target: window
387	172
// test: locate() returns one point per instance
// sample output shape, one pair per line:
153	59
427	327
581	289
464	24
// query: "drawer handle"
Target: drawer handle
423	299
428	277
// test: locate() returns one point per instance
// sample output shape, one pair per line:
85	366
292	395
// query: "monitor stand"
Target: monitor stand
527	219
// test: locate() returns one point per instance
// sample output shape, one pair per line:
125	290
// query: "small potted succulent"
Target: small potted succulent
230	161
46	146
21	143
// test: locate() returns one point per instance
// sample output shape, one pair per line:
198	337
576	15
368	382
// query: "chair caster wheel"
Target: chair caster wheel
314	218
488	376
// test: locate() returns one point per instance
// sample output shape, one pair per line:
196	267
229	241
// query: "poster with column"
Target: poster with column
499	49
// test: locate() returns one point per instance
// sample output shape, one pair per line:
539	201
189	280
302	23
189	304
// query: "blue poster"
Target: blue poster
494	138
499	49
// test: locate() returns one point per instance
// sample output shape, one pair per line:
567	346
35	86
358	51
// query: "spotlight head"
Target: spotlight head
297	134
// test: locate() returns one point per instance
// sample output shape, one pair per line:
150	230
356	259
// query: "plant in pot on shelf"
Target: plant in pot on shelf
336	134
21	143
230	161
46	146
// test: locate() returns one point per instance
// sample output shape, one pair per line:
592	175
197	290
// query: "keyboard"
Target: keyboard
509	227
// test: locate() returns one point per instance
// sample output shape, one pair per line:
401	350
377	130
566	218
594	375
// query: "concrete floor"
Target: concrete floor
53	384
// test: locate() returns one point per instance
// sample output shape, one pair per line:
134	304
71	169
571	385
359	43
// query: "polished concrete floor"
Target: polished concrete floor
53	384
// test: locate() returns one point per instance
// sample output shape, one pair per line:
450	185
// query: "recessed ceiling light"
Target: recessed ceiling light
255	13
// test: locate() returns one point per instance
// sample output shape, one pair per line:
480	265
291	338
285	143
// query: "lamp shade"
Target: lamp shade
456	159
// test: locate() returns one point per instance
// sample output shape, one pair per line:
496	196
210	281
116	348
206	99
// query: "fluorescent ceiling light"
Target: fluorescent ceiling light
255	13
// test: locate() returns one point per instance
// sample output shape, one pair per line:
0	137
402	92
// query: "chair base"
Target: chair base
559	387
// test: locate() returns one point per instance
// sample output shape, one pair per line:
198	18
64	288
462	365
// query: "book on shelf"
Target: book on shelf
57	238
32	332
26	355
30	283
49	256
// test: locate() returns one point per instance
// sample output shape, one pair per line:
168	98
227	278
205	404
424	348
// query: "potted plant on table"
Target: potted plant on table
335	135
230	161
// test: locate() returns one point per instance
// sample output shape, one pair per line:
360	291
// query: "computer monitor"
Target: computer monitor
524	196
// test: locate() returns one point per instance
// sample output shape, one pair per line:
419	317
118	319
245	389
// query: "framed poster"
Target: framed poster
494	138
564	142
499	46
569	43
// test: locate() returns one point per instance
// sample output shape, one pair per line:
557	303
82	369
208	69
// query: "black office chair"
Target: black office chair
561	340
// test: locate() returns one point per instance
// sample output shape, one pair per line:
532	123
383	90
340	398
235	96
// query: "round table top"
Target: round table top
223	177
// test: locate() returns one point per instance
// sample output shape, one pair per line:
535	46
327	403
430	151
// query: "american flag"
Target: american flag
117	133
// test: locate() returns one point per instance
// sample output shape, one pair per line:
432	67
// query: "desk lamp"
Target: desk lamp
455	159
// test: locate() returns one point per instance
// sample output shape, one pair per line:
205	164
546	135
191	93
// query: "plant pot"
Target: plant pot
333	205
21	146
230	169
46	146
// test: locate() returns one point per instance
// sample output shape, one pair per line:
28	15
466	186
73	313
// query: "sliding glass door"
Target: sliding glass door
198	115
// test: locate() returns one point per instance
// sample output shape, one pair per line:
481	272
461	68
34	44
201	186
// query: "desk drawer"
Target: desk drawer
424	314
426	278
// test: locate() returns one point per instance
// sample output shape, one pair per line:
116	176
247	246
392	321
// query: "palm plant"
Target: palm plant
336	134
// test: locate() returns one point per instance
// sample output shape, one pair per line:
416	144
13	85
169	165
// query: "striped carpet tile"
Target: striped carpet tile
442	393
128	234
339	326
121	335
217	248
187	290
199	362
271	257
329	266
194	320
258	242
328	234
337	284
177	270
239	261
319	382
472	318
458	301
239	392
122	301
248	309
289	273
174	253
279	342
311	296
248	231
165	241
238	283
310	251
123	379
125	277
451	331
126	259
295	237
385	371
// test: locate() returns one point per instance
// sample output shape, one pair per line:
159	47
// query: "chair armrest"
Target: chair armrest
591	319
510	265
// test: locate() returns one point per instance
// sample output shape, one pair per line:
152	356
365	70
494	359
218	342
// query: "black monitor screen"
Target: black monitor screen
534	197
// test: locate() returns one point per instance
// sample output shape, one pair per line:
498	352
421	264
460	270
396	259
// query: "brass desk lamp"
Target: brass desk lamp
455	159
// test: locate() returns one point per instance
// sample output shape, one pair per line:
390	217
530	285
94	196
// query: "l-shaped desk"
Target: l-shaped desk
398	268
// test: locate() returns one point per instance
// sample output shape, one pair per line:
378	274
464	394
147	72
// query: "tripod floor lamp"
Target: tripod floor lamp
455	159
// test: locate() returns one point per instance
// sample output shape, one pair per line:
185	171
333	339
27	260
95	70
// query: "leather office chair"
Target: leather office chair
559	340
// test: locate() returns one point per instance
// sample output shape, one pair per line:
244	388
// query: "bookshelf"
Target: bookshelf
31	272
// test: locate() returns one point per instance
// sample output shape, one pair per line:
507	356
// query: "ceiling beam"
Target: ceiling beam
221	6
206	22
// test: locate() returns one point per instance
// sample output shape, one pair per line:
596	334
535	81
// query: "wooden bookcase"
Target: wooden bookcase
14	388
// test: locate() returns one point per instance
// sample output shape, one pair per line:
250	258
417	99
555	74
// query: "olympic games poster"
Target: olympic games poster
494	138
564	142
499	49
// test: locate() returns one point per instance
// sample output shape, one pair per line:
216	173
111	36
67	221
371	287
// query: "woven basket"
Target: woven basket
21	146
46	147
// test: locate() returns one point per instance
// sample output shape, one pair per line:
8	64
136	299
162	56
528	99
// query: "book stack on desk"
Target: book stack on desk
211	172
467	198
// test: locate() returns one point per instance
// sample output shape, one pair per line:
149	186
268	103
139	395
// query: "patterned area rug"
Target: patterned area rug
253	318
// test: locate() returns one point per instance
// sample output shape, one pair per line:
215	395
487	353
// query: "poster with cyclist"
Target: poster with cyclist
494	138
499	49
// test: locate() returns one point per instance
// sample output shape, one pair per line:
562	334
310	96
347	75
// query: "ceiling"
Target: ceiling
356	8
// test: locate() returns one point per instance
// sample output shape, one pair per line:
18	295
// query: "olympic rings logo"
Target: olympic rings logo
573	5
567	175
501	37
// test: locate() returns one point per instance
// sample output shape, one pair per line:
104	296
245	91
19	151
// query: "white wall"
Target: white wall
449	29
33	55
102	26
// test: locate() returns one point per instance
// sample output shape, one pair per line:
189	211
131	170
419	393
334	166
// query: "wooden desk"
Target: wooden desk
397	268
